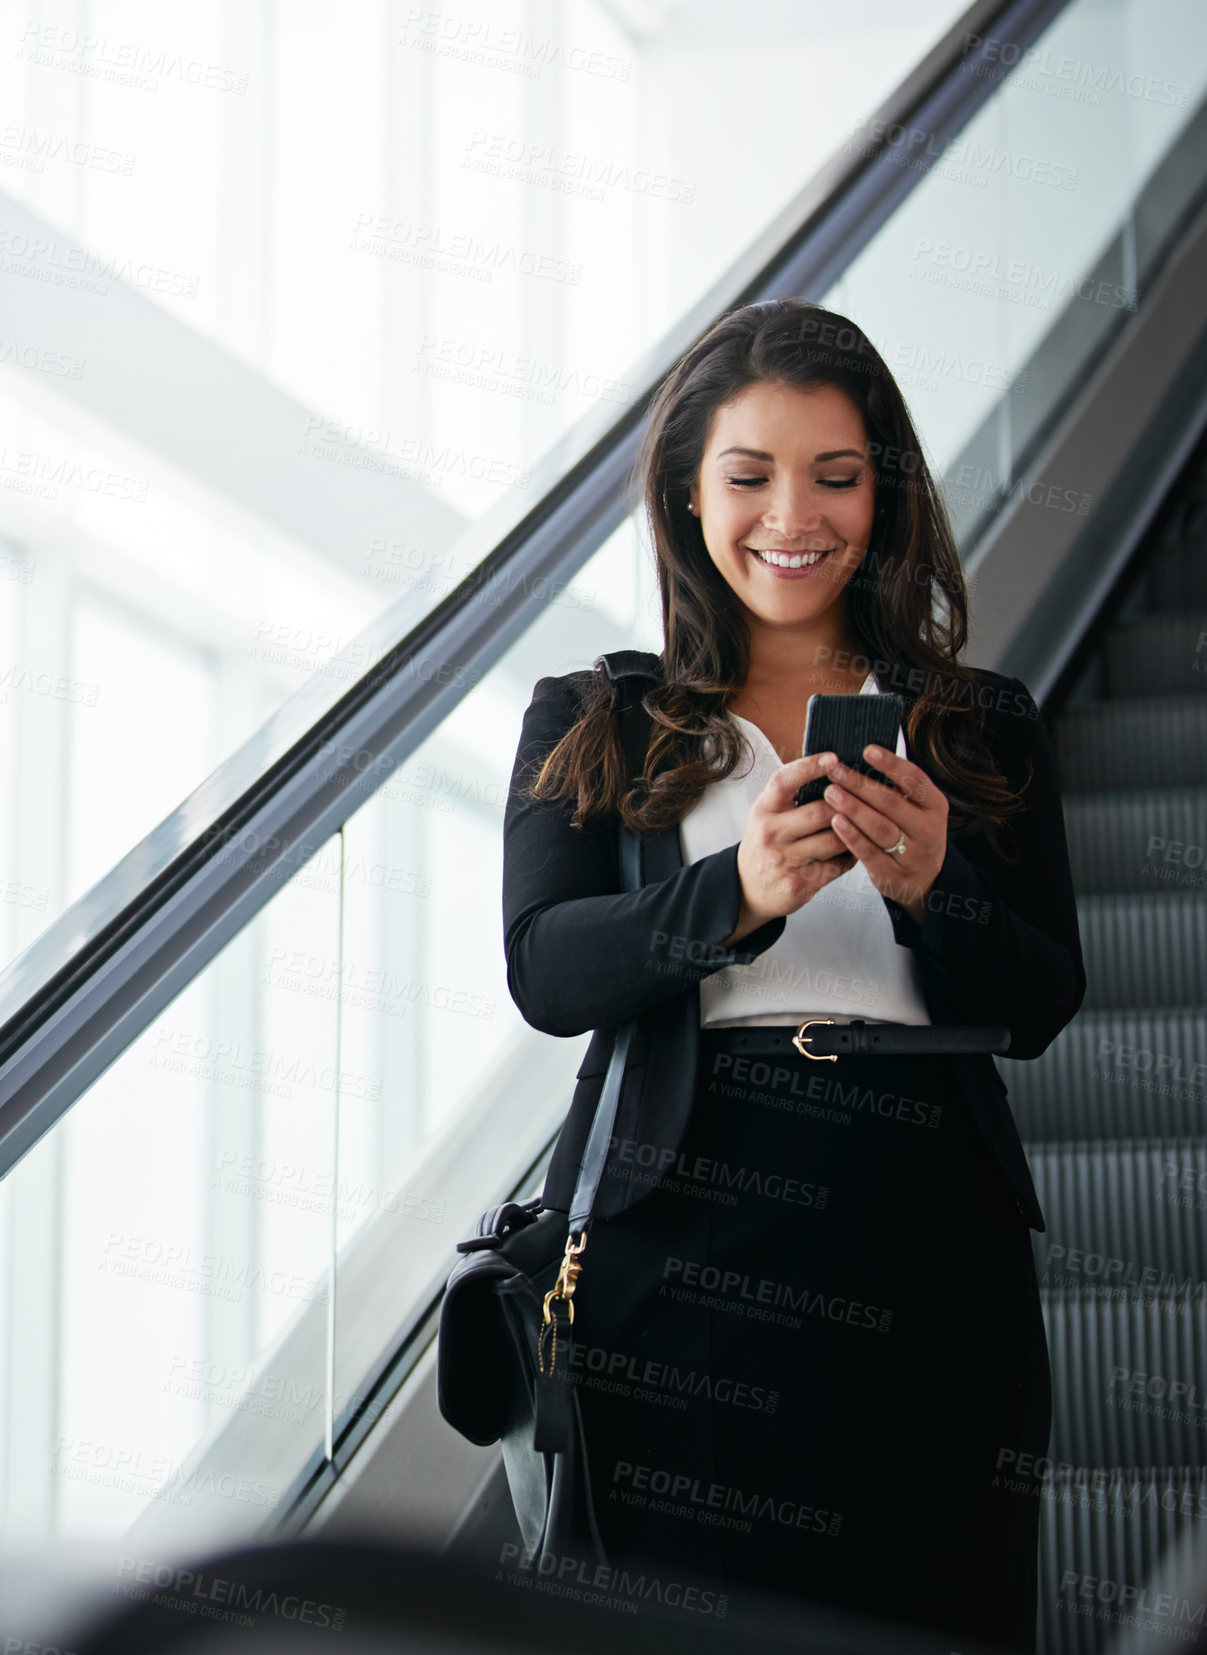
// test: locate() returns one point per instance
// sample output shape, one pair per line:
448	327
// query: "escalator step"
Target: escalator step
1130	1213
1114	1074
1154	741
1102	1542
1137	841
1144	949
1115	1362
1163	654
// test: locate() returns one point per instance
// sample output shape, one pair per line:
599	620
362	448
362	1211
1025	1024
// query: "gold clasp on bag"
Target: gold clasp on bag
563	1288
567	1275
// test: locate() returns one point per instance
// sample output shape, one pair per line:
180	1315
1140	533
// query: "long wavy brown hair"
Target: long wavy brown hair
906	603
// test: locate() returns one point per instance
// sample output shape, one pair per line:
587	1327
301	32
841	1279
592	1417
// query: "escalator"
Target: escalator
1112	1113
301	1360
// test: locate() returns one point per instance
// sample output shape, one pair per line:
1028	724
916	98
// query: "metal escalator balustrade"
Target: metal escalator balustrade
1114	1114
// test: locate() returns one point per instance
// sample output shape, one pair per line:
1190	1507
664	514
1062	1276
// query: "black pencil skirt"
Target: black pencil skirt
808	1358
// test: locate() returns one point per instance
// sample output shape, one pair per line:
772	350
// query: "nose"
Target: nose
792	510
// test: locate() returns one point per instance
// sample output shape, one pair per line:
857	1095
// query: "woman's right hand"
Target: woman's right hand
788	852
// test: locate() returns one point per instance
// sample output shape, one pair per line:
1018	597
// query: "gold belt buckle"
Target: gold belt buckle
800	1035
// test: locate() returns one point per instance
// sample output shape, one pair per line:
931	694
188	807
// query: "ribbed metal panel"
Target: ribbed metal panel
1111	1074
1128	1215
1144	950
1139	841
1114	1119
1159	654
1156	741
1097	1540
1129	1378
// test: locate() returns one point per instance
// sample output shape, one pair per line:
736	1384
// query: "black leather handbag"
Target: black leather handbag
505	1333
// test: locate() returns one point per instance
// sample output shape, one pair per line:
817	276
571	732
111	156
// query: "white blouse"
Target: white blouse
836	957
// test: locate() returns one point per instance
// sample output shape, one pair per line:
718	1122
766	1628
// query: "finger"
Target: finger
908	776
820	847
803	820
879	826
883	796
783	783
865	847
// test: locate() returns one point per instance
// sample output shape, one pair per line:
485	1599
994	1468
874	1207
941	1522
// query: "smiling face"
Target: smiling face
785	495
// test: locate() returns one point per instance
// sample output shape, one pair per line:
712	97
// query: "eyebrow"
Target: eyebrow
761	454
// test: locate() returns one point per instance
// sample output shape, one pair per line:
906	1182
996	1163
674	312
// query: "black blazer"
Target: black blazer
998	943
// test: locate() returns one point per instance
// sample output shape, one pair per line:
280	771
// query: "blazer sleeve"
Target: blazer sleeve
999	941
581	952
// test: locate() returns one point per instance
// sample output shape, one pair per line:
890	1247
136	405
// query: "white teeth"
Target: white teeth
790	560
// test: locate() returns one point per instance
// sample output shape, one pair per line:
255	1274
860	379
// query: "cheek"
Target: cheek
857	519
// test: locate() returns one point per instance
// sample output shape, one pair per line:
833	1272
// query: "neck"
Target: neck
778	655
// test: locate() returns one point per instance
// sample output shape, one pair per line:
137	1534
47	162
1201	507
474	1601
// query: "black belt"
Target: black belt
824	1039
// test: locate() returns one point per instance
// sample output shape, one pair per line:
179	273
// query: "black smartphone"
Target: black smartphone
846	724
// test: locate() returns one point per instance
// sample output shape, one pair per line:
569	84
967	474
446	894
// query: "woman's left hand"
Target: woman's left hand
873	817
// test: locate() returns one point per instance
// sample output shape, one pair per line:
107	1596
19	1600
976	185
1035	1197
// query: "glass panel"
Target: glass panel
450	1095
259	372
996	285
166	1256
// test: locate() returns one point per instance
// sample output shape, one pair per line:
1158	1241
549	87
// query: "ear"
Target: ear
693	499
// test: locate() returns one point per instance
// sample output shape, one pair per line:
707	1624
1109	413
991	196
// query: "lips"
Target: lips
809	559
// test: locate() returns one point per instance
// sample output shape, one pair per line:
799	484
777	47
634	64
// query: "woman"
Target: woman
808	1337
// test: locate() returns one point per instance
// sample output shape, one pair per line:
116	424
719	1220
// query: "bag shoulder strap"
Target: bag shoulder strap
619	665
